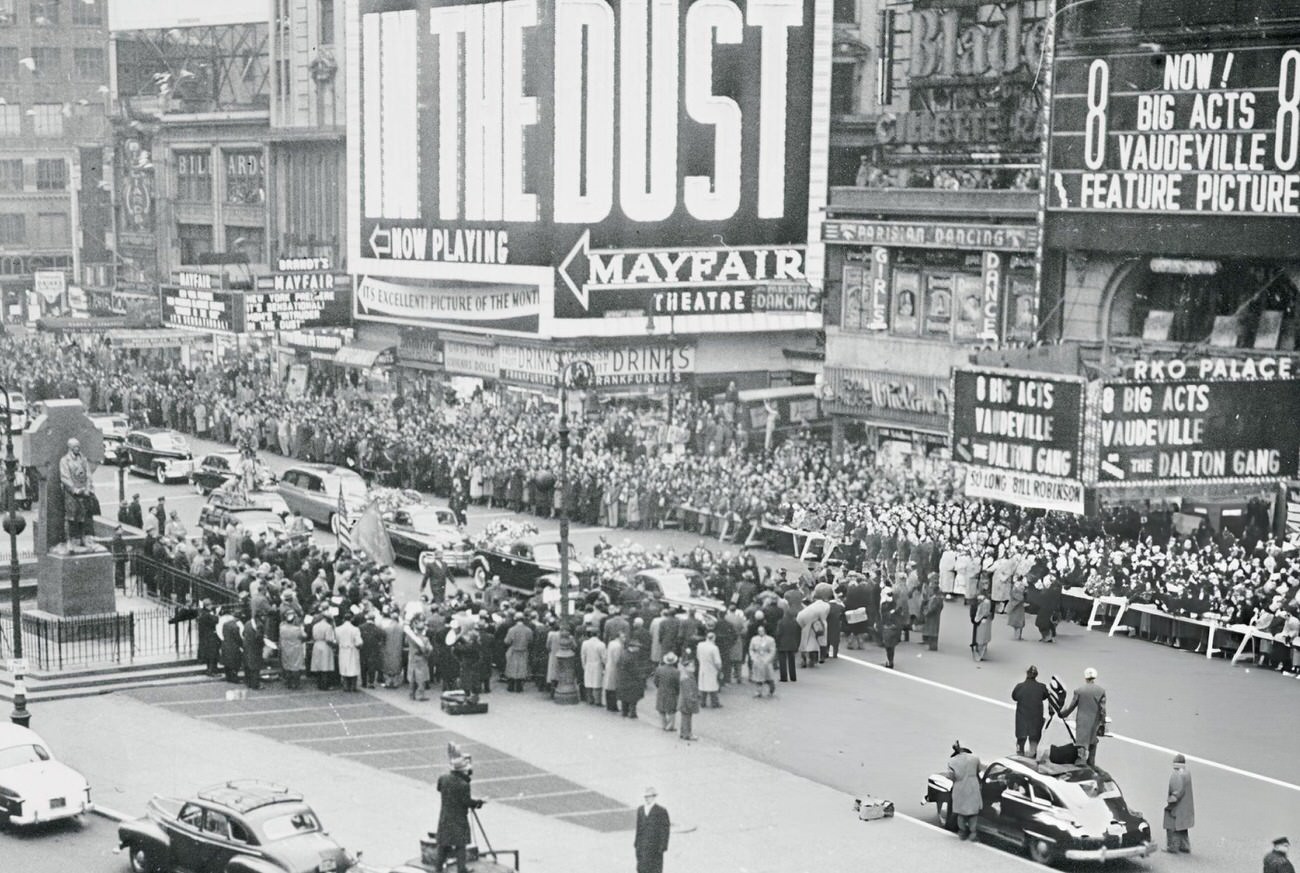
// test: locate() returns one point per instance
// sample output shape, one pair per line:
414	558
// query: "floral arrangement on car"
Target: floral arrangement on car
390	499
500	534
624	561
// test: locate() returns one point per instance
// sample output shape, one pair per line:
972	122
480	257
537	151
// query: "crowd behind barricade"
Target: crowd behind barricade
631	469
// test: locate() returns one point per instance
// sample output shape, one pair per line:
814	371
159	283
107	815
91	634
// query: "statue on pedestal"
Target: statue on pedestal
80	505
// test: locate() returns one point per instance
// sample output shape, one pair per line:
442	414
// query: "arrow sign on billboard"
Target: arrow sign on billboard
570	265
379	242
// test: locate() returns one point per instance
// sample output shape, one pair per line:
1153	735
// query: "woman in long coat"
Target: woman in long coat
1016	607
932	613
856	599
417	659
1180	809
890	632
762	652
293	650
688	699
392	653
631	681
983	622
518	640
349	641
667	686
812	629
322	651
613	664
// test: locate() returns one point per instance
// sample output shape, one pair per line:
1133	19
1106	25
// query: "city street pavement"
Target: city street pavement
853	727
730	813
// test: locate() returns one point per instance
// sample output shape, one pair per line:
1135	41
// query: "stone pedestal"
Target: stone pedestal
79	583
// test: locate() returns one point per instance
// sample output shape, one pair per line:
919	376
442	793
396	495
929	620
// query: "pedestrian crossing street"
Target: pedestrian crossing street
369	731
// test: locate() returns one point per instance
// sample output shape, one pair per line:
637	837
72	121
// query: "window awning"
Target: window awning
364	355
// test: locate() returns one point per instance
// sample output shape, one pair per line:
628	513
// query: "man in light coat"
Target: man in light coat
348	637
1180	808
967	800
1090	701
710	660
613	664
592	655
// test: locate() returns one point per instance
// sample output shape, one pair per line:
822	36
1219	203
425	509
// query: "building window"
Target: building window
11	120
195	240
250	241
244	180
49	62
13	230
8	63
47	119
89	63
87	13
52	230
51	174
326	22
8	12
11	174
45	13
194	177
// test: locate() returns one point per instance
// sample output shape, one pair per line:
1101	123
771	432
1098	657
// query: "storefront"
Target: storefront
1176	227
902	417
419	366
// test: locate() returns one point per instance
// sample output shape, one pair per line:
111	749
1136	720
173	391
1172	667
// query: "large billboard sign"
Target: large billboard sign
1198	420
1211	136
614	155
1021	436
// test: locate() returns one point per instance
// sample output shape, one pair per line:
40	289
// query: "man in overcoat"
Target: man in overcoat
252	638
651	839
1180	808
209	642
453	818
1029	697
1090	701
967	799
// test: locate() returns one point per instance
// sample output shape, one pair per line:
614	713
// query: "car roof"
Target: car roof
538	540
226	453
326	469
154	430
13	735
246	795
1047	769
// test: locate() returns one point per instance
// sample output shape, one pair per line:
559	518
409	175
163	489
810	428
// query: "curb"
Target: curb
110	813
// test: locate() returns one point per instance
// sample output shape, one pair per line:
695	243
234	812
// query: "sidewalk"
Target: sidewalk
730	813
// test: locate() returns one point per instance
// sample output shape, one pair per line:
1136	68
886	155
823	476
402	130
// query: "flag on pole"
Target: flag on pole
342	526
1056	695
368	535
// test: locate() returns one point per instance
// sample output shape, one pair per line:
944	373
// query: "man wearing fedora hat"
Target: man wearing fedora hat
1276	861
651	839
1090	700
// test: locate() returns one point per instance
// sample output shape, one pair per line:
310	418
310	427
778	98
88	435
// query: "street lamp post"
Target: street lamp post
14	525
573	374
121	460
672	358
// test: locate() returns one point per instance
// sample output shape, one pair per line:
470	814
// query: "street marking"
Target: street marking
1227	768
333	721
521	776
368	736
244	713
982	844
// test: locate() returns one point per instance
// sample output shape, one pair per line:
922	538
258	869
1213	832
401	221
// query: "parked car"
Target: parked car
522	563
34	787
677	586
158	452
216	469
243	825
114	428
313	490
255	515
1054	812
418	528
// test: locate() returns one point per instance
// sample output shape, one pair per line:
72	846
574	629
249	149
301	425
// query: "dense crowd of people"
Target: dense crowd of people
630	468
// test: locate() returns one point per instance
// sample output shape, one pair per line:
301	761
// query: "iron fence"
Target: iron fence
161	582
60	642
